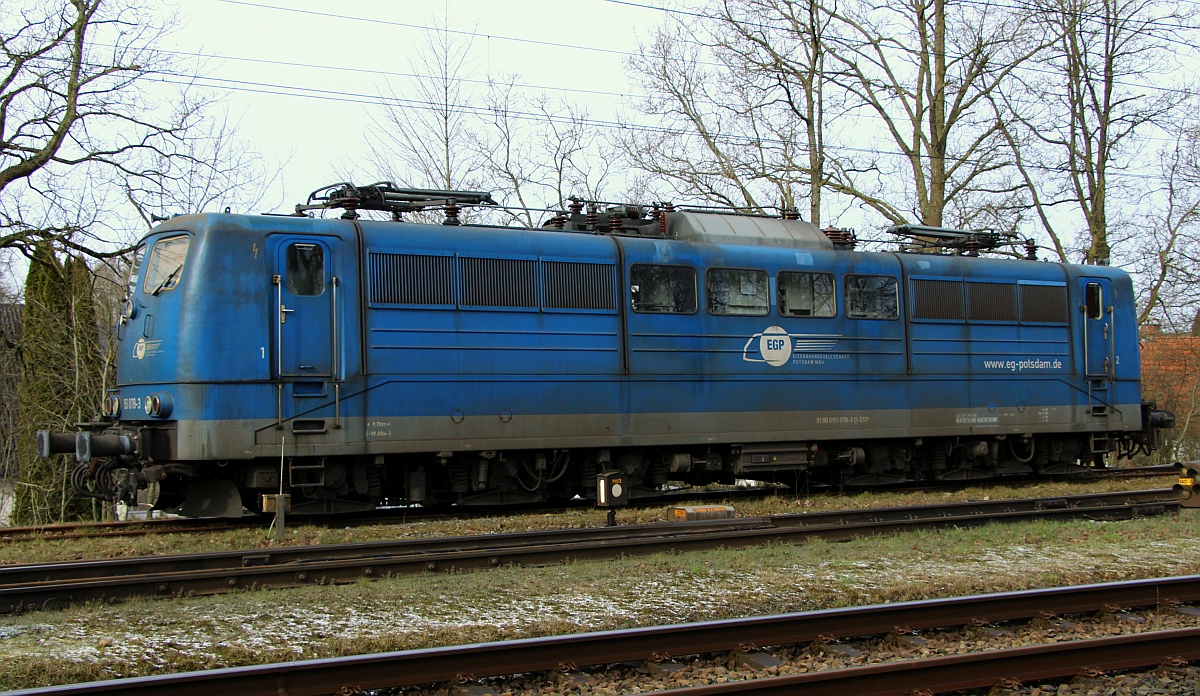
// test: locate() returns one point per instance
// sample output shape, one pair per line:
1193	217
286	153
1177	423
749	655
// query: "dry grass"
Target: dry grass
50	550
148	637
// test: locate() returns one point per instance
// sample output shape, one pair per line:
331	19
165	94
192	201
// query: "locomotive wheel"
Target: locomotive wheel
212	499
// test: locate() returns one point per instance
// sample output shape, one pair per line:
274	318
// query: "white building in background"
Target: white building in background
12	317
7	498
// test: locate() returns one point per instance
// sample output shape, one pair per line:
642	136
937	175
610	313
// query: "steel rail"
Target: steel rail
383	516
29	588
445	664
236	559
88	530
973	671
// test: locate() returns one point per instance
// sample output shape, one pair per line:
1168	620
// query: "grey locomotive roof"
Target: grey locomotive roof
745	229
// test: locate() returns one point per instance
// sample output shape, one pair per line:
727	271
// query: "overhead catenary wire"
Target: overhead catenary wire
289	90
409	25
555	44
517	85
1014	5
373	99
610	124
227	84
244	86
631	54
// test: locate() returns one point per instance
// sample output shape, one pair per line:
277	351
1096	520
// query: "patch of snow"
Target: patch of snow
151	632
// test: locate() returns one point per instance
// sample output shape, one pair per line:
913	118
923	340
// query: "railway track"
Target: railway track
88	530
42	586
180	525
188	525
567	656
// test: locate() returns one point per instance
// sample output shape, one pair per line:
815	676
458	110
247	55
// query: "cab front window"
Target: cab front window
165	267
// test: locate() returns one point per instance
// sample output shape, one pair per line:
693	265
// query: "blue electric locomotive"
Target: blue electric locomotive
351	361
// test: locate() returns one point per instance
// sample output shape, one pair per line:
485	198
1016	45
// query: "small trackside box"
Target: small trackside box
697	513
270	502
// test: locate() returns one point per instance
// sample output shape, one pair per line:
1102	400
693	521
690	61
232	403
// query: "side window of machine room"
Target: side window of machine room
164	269
872	297
737	291
662	289
807	294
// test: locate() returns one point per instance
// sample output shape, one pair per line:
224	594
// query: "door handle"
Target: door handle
283	312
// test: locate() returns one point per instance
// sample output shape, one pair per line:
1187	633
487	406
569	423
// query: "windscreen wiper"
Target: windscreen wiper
165	281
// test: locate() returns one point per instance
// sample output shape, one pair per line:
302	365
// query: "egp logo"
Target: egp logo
775	345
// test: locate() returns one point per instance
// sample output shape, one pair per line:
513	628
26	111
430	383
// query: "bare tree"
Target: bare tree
507	155
1168	254
423	137
217	171
440	133
927	80
75	113
783	42
537	153
725	137
579	160
907	90
1072	122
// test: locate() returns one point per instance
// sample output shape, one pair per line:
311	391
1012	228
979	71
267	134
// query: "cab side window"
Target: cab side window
1095	301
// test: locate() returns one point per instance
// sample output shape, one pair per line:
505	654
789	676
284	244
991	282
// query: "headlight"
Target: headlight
129	311
111	407
158	404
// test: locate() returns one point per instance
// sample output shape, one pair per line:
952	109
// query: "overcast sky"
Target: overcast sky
304	73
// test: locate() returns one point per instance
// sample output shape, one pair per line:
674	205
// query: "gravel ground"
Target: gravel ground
155	636
1168	680
801	659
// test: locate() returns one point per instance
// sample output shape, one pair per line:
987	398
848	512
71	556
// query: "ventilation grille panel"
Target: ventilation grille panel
937	299
992	301
411	279
1044	303
499	282
572	285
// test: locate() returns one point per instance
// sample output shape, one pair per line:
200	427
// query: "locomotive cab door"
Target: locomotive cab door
304	306
1097	310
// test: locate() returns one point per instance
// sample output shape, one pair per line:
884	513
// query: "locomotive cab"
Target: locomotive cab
220	323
